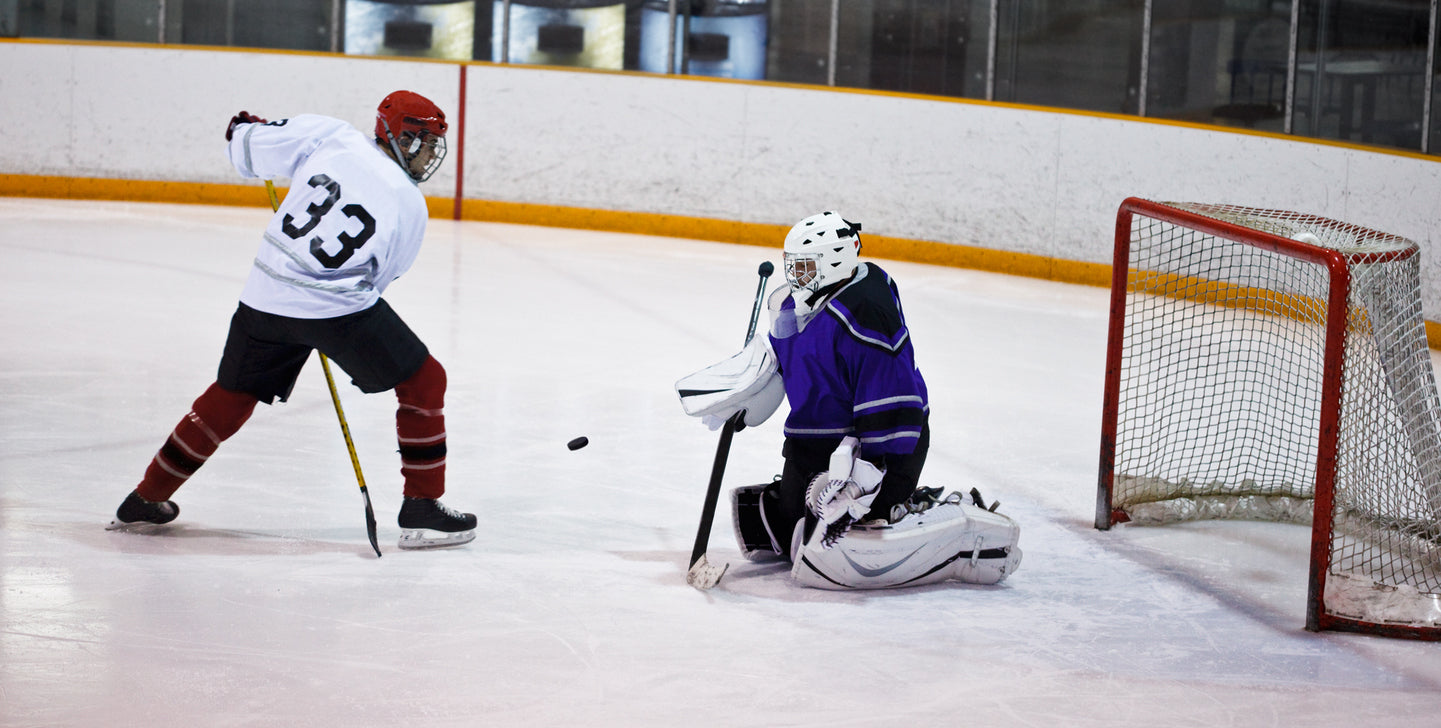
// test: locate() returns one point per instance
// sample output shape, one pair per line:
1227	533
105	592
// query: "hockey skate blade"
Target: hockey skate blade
414	539
704	575
142	527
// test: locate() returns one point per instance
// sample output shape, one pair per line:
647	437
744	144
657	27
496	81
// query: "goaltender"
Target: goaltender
847	509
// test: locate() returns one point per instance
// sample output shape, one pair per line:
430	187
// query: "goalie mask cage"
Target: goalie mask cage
1271	365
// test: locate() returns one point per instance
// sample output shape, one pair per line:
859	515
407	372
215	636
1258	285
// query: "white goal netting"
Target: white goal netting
1221	406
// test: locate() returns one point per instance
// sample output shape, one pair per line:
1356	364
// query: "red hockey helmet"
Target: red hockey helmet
408	123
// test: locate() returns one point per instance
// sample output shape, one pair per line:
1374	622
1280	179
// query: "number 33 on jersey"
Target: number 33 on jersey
352	222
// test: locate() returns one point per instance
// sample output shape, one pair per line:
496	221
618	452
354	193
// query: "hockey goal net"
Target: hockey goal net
1274	366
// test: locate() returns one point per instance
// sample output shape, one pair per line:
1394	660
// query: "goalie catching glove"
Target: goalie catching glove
843	495
747	381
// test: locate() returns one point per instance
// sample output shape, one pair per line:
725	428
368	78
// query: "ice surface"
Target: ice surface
264	606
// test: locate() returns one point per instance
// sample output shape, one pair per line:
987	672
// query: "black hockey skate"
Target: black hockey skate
976	499
427	523
136	512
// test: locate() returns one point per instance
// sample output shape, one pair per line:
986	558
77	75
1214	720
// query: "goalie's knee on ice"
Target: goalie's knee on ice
756	516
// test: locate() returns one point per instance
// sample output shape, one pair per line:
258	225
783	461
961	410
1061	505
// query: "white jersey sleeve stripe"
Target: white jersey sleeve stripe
249	169
804	431
888	438
889	400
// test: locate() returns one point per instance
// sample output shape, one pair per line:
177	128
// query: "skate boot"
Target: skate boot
136	512
428	523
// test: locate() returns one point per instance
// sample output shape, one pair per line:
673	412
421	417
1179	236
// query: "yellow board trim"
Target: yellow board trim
769	235
637	223
131	190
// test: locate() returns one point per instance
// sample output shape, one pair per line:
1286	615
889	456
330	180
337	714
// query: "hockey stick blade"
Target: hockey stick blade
703	574
370	522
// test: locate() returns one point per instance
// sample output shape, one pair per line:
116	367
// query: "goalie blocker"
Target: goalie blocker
928	539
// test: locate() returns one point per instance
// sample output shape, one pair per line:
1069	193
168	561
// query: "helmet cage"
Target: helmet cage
408	148
820	251
801	270
409	124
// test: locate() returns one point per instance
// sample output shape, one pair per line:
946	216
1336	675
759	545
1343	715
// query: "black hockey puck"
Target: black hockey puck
577	443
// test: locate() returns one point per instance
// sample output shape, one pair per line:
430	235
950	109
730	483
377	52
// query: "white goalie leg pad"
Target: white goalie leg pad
951	540
747	381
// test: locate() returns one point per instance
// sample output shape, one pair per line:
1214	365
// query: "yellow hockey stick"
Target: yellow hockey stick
340	414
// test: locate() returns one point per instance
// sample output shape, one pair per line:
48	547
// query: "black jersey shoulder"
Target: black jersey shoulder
869	309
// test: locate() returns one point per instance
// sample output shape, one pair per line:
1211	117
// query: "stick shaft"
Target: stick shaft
340	415
712	495
756	310
735	424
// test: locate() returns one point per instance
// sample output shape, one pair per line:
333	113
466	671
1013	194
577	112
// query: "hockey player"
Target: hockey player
351	224
846	509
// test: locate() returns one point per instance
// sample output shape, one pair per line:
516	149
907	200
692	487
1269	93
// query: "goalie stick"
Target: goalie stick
340	414
703	574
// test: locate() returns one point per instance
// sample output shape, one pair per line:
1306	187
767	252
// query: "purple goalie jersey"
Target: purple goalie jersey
849	368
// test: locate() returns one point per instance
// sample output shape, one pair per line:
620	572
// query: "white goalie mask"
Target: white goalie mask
821	250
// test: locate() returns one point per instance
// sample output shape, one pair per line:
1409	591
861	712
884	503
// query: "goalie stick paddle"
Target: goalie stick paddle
703	574
340	414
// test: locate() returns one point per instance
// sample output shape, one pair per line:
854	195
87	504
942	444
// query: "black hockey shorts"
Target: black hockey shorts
264	353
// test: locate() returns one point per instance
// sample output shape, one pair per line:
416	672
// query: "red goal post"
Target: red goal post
1271	365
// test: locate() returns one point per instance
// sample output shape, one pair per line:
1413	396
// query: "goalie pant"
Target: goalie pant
950	541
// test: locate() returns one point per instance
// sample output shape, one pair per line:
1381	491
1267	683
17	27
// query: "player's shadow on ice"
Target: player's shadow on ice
189	540
771	580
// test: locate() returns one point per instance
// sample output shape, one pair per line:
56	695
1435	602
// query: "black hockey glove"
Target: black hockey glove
244	117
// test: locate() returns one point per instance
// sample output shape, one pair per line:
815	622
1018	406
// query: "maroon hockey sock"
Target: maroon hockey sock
214	417
420	429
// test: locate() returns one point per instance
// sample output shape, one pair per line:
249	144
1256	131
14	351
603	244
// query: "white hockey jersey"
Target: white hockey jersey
352	222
